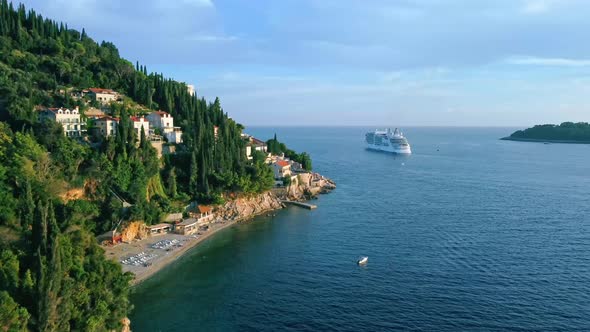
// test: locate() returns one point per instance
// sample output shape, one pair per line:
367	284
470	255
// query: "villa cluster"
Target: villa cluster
283	168
155	125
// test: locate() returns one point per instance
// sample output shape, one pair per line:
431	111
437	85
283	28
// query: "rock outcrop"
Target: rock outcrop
242	208
135	230
305	187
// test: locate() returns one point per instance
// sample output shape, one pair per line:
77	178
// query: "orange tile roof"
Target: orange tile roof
282	163
204	208
99	90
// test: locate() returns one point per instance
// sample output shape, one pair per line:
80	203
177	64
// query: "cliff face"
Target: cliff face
135	230
306	186
247	207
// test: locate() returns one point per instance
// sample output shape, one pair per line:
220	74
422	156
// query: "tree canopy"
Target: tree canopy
567	131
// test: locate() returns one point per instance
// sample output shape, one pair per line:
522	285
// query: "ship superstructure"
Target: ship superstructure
389	141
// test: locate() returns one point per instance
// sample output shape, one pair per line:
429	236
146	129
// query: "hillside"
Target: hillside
53	274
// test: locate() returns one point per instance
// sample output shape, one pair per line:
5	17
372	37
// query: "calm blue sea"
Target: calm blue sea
469	233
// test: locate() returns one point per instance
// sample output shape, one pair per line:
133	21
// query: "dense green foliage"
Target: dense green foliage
53	274
567	131
277	148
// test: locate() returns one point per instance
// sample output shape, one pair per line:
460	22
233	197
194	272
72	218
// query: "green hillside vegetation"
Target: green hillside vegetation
567	131
53	274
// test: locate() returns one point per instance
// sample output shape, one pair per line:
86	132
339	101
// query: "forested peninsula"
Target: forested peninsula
567	132
77	160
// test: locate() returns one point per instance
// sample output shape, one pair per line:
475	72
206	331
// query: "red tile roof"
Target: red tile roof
282	163
204	208
99	90
257	141
137	118
109	118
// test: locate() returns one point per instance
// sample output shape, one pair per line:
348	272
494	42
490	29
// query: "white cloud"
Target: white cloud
556	62
536	6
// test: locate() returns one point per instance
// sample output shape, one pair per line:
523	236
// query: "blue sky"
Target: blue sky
359	62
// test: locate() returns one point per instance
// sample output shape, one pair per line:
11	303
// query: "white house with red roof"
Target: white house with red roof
103	96
69	120
165	122
281	168
139	123
160	119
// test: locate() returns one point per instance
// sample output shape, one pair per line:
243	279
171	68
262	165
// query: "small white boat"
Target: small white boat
363	260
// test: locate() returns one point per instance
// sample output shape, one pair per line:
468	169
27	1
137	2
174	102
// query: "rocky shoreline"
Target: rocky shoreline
308	186
137	239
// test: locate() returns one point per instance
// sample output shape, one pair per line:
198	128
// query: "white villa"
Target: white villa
258	144
253	144
103	96
190	89
165	122
107	126
281	168
138	124
69	120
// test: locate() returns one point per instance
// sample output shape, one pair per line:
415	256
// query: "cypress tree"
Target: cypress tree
194	175
171	181
40	228
28	211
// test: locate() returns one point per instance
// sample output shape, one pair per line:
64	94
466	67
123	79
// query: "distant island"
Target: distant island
567	132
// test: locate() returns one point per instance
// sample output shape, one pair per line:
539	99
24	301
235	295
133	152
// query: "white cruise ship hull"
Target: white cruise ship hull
388	141
389	148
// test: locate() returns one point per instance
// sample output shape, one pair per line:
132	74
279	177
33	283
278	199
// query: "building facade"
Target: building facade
107	126
160	120
281	169
165	122
69	120
103	96
138	124
187	227
190	89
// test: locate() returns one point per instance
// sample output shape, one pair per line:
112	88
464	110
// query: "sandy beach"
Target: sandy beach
161	257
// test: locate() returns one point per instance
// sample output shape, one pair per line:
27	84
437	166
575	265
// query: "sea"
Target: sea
469	233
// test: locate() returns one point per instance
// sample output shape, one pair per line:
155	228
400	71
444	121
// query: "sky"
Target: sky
358	62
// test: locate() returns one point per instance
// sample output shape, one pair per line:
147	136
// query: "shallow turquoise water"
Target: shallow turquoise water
468	233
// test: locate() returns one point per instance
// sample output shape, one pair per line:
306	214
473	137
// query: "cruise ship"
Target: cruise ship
386	140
